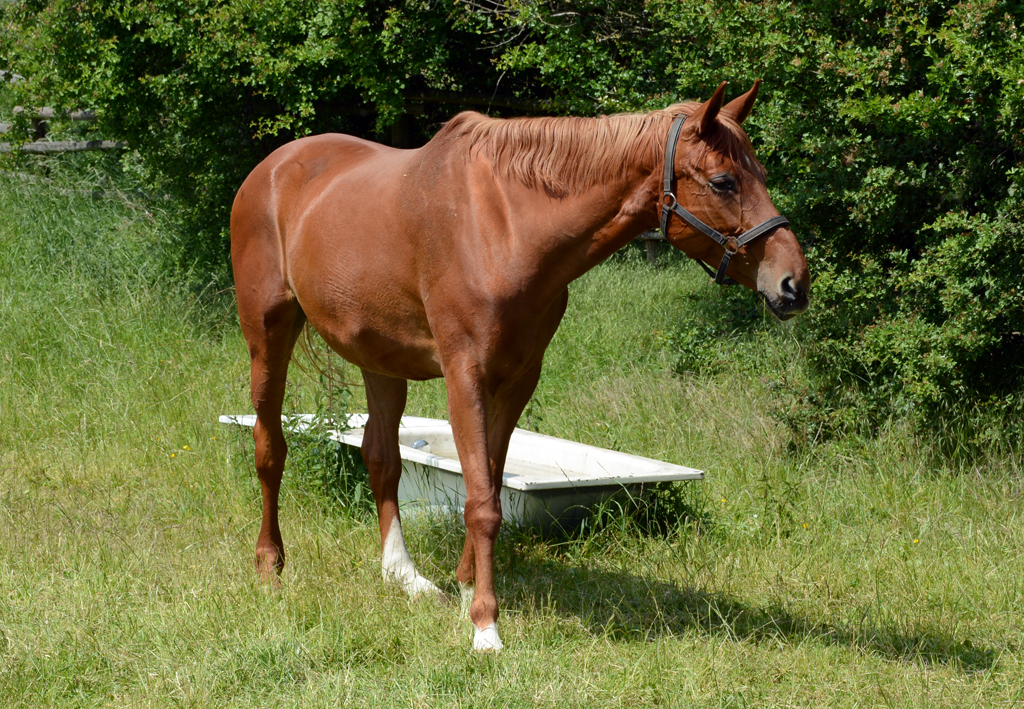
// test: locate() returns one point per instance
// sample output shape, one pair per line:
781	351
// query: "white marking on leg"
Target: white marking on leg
396	564
466	594
487	640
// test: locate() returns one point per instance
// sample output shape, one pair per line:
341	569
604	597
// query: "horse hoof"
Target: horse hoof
414	586
269	573
421	587
487	640
269	579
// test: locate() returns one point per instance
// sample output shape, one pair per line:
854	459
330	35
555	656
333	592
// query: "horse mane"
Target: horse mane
565	156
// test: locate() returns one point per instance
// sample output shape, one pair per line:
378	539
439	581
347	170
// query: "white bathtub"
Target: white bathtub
546	479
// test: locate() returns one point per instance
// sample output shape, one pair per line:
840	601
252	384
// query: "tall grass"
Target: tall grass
862	572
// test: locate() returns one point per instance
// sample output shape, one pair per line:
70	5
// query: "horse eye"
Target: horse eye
723	183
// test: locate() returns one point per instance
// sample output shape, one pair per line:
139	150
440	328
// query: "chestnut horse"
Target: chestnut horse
453	260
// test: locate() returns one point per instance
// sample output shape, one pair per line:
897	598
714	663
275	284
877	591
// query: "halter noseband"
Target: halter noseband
670	205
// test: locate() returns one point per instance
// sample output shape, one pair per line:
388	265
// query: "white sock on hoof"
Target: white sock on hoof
397	567
487	640
466	594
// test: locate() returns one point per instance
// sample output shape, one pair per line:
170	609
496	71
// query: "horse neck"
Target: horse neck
604	218
571	205
623	210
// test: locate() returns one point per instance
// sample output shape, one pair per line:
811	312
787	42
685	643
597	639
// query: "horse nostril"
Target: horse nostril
788	288
791	292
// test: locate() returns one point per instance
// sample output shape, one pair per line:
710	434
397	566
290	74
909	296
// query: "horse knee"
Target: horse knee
483	518
376	460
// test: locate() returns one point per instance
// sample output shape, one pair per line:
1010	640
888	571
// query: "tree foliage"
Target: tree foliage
891	130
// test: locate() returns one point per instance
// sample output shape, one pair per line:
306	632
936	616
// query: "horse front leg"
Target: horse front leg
385	398
482	450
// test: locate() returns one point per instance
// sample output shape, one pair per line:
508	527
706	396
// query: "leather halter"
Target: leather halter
669	206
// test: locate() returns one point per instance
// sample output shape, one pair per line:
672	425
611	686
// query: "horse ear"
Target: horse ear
739	108
705	116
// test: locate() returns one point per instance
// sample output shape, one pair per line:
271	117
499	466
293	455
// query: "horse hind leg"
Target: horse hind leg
385	398
271	329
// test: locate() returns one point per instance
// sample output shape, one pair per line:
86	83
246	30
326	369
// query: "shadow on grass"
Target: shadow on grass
627	606
624	606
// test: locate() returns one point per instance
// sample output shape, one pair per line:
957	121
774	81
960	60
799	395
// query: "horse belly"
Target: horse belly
377	342
363	303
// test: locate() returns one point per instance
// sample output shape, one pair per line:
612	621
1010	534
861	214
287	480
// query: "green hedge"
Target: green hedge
892	133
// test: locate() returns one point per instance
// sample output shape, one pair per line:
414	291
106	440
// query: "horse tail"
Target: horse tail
320	363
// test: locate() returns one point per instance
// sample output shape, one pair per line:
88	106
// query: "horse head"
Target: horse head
716	207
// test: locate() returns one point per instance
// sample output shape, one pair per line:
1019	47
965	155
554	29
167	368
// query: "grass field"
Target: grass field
856	573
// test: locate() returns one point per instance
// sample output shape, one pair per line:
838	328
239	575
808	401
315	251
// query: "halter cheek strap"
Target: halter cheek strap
670	206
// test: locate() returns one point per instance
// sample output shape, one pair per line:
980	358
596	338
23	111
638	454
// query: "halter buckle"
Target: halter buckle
731	245
668	200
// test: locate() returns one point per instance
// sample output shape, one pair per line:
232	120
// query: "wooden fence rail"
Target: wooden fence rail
45	147
652	240
40	121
